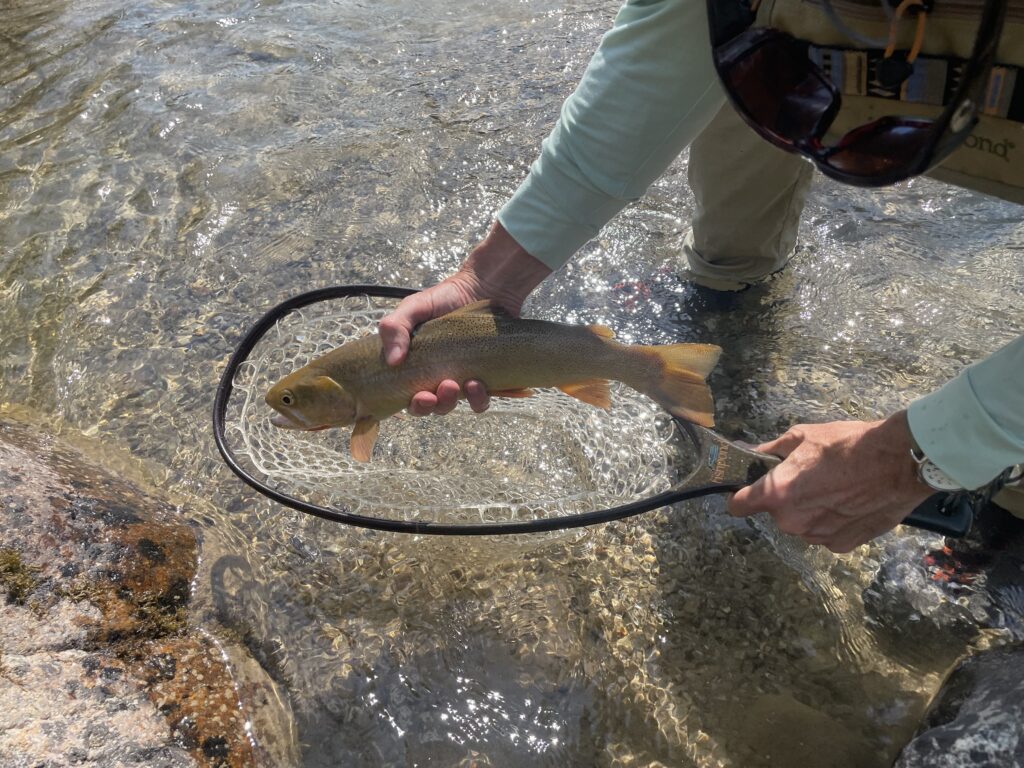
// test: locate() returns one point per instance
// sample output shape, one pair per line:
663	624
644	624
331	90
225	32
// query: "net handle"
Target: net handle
260	329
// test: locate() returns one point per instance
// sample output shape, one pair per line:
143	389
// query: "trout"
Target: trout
353	385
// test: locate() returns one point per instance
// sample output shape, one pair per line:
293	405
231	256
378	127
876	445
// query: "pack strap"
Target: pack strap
933	81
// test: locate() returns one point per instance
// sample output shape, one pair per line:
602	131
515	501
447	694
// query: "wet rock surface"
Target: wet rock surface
74	707
975	721
968	590
98	662
915	594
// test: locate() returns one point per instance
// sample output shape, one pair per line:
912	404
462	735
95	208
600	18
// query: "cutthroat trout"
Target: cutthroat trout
353	386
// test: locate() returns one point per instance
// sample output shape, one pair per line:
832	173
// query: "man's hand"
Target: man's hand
396	333
840	484
498	269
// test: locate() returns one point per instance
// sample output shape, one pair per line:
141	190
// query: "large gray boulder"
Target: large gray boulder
99	663
977	718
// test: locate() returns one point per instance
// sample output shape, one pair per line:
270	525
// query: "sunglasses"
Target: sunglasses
784	96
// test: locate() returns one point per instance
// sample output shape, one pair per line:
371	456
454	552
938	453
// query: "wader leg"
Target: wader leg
1011	498
749	198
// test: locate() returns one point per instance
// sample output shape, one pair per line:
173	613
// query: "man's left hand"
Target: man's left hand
840	485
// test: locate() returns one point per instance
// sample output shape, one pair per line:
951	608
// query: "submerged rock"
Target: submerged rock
913	614
962	591
977	718
98	662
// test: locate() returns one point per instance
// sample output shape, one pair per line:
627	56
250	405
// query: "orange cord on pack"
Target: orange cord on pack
918	34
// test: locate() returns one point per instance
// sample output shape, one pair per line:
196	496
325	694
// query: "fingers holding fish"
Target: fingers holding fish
476	396
397	328
444	400
498	268
436	403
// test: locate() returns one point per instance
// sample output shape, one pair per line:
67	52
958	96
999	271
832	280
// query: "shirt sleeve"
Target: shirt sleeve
648	91
973	427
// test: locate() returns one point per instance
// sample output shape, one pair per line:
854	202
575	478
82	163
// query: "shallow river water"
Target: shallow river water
170	170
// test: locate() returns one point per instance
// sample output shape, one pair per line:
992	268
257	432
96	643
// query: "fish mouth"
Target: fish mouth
286	422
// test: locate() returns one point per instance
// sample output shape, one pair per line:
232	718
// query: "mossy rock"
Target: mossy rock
95	576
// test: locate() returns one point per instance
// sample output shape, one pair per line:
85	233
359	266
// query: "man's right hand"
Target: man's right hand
451	293
396	333
498	269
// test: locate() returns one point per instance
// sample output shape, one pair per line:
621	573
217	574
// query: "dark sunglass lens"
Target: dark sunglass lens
885	148
780	89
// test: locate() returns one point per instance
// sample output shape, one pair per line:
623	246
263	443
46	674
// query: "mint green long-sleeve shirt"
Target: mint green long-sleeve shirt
647	93
973	427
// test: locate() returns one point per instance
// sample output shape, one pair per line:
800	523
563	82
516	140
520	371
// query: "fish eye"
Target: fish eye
287	398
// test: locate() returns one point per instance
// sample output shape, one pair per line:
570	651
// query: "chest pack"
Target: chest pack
991	160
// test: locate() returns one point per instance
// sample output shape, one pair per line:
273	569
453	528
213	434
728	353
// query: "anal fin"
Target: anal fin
592	392
512	393
602	330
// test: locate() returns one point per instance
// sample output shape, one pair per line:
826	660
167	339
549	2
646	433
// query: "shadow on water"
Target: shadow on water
775	675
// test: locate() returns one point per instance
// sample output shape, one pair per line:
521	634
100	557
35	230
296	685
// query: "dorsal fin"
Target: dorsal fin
484	307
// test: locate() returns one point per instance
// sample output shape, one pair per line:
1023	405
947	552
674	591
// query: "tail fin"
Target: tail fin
677	383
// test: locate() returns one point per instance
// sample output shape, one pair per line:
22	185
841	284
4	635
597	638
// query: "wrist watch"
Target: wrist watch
929	474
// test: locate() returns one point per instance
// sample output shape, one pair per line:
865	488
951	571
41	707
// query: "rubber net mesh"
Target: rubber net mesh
543	456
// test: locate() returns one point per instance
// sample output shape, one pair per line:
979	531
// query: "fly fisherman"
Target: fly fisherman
657	84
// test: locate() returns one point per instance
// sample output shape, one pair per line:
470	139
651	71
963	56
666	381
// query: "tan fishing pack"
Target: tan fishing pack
991	160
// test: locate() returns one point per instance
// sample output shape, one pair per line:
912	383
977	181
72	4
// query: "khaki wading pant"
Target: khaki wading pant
750	195
749	198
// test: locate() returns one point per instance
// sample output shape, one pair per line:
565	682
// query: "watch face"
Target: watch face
935	478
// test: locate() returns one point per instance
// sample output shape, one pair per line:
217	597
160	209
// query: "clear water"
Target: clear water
170	170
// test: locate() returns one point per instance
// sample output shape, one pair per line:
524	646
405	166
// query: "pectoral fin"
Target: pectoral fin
593	392
364	435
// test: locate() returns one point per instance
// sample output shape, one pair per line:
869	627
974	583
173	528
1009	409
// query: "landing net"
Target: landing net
523	460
